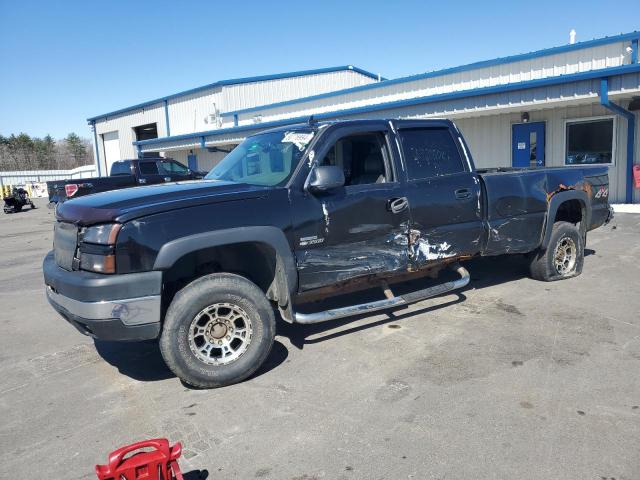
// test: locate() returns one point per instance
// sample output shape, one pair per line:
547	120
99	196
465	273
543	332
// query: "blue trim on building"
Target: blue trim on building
166	117
447	71
203	142
236	81
235	120
634	50
95	142
557	80
631	133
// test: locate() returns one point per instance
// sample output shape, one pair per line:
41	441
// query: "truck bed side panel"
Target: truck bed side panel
515	209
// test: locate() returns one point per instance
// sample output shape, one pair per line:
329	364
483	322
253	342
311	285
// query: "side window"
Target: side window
121	168
173	167
148	168
430	152
363	157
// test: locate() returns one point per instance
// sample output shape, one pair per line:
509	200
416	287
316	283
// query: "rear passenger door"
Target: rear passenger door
443	193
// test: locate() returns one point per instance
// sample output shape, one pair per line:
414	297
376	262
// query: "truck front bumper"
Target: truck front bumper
109	307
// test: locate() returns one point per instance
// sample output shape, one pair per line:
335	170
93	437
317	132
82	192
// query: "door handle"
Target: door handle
397	205
462	193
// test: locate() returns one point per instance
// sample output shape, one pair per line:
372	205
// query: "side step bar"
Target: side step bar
412	297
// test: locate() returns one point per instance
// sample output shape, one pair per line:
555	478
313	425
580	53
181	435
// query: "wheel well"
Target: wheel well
255	261
571	211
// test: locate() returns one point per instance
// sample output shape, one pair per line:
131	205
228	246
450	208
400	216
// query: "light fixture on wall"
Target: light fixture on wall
524	117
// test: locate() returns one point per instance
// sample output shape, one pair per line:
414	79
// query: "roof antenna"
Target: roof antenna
311	121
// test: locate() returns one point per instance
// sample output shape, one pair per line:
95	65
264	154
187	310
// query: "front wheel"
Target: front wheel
218	330
563	257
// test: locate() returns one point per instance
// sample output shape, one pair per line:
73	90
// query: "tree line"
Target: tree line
23	152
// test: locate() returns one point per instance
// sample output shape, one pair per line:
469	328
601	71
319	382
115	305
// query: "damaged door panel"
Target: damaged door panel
357	229
444	195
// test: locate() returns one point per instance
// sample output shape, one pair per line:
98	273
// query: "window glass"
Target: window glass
266	159
121	168
171	167
589	142
430	152
361	156
148	168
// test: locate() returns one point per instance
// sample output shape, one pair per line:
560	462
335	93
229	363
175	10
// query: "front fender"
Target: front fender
286	274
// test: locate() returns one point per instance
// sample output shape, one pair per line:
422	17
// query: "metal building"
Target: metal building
570	105
198	109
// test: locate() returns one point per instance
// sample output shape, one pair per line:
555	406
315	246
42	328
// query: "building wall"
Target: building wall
124	124
576	61
489	140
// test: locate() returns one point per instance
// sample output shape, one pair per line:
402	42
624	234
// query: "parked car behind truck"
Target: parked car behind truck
123	174
305	212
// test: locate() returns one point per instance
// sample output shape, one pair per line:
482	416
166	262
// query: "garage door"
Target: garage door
111	148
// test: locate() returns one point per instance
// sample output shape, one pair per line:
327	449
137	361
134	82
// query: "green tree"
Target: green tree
77	148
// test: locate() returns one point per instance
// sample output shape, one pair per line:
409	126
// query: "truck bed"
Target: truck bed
516	202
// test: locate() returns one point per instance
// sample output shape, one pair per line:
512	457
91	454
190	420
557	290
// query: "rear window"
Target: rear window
430	152
148	168
121	168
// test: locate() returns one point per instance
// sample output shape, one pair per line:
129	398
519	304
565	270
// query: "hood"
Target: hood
129	203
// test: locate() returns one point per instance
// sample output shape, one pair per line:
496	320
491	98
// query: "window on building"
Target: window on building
146	132
589	142
430	152
362	157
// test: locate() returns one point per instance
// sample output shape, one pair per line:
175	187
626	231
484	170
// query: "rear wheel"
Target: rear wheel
563	257
218	330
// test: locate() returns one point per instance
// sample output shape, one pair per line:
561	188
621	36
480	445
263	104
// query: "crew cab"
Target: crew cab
123	174
301	213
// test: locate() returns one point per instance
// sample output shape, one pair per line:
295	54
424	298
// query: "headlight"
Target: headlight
97	248
101	234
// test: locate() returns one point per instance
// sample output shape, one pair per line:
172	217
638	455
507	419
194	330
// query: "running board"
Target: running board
412	297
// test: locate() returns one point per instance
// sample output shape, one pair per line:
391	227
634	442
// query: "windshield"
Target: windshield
267	159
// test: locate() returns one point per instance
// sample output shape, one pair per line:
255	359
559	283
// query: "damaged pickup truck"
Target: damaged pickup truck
299	213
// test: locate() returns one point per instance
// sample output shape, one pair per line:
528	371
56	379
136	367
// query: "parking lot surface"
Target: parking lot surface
511	378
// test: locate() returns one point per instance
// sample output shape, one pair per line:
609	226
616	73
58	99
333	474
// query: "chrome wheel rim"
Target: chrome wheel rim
564	258
220	334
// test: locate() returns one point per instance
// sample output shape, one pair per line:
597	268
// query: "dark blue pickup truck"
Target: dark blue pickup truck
300	213
123	174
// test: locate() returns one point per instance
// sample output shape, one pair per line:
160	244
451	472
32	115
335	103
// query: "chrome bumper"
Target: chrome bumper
130	311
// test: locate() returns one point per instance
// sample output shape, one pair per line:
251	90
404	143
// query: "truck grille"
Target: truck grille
65	240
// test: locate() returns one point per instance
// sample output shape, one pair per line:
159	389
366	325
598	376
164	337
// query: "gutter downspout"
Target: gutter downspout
631	133
166	117
95	143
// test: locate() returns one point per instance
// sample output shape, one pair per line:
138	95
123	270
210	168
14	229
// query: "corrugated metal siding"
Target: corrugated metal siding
187	114
577	61
241	96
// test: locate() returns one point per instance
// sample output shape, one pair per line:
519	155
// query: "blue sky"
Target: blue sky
61	62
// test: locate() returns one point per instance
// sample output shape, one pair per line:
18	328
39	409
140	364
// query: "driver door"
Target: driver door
358	229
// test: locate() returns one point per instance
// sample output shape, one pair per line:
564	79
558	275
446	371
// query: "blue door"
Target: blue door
528	145
192	162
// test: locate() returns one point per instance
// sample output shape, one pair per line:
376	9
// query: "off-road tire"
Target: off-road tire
543	263
189	302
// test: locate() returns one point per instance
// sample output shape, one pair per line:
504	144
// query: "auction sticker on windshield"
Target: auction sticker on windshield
299	139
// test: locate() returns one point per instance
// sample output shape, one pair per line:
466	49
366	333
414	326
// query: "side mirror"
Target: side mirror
325	178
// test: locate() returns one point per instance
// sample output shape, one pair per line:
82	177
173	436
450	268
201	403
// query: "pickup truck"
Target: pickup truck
124	174
301	213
